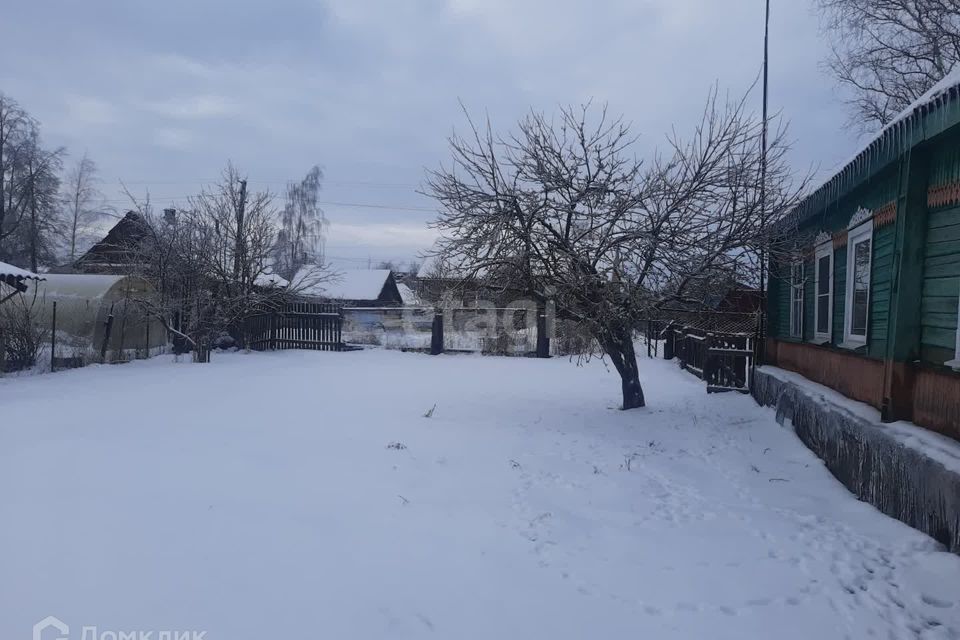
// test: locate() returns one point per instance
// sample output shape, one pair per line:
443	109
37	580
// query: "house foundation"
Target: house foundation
906	472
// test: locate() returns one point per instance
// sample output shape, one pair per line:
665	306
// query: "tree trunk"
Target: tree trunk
34	232
618	345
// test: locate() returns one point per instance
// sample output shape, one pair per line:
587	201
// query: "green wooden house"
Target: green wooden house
867	298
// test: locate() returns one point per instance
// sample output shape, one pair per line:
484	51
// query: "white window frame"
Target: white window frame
796	331
824	249
859	231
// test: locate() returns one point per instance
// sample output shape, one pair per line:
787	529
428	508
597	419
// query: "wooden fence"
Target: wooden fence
322	327
296	325
723	360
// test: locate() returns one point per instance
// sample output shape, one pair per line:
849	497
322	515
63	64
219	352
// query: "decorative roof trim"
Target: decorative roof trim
886	214
945	194
840	239
822	238
859	217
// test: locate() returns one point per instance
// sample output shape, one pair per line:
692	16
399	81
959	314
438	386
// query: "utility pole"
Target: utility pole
761	328
238	249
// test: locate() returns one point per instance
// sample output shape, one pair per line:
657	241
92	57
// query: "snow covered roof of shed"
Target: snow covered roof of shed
269	280
14	276
361	284
933	113
408	295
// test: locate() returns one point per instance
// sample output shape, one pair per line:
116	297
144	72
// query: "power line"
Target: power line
360	205
345	183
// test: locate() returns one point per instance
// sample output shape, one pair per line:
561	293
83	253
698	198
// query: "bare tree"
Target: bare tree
888	53
82	200
211	261
40	229
302	226
17	137
563	210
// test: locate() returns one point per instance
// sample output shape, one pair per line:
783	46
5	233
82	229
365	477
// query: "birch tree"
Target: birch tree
302	226
82	202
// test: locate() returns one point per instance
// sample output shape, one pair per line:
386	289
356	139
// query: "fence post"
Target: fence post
53	338
436	339
202	352
668	338
543	338
649	329
108	327
708	364
274	330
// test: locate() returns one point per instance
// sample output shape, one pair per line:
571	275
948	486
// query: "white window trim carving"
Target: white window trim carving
859	217
857	234
823	249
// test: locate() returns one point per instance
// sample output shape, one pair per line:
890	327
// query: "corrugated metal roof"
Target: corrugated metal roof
14	276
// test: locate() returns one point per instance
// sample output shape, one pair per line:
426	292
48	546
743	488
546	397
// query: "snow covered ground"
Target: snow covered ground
306	495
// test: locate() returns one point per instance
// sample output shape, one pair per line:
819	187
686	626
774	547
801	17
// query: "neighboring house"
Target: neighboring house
869	307
113	254
726	308
440	282
360	288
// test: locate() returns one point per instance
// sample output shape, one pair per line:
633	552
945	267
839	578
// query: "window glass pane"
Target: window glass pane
823	275
823	312
796	299
861	287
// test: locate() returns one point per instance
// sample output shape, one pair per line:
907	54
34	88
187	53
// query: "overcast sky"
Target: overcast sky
162	94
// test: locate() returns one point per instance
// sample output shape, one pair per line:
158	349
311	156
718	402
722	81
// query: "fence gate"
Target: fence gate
728	363
296	325
722	360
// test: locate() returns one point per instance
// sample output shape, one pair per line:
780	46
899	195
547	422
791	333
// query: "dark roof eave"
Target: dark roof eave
889	146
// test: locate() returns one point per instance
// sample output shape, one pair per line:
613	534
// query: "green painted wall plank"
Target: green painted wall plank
943	248
937	337
944	234
947	320
938	304
946	287
944	218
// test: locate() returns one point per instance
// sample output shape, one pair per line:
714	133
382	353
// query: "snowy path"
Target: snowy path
257	497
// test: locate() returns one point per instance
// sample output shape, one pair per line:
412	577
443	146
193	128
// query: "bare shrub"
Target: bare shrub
22	337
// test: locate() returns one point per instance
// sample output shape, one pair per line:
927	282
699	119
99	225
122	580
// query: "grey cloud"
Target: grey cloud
167	92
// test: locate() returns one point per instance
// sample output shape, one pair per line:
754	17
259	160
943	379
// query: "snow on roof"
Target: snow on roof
408	295
349	285
268	280
428	267
8	270
934	93
892	138
14	277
